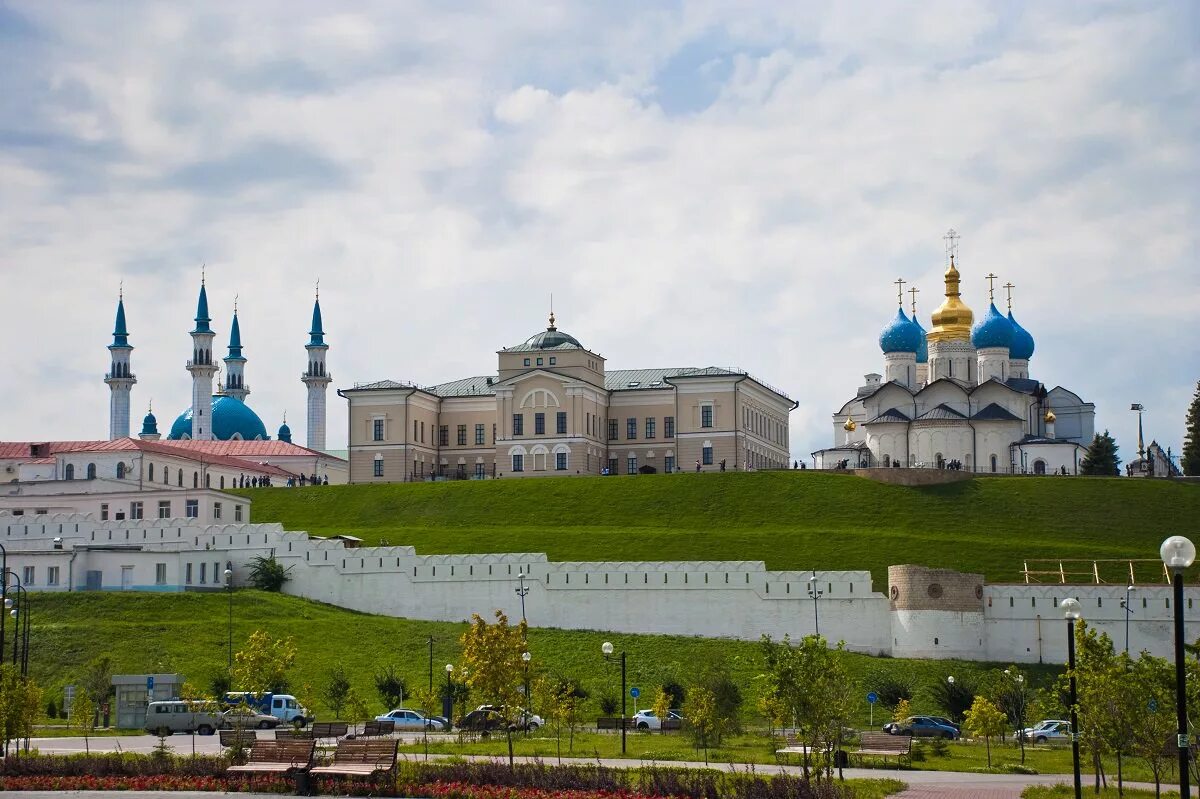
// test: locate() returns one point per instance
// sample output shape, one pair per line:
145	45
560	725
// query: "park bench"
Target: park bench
329	729
277	757
612	723
358	758
373	729
792	745
884	745
244	738
293	735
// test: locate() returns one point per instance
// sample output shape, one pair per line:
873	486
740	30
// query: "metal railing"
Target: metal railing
1097	572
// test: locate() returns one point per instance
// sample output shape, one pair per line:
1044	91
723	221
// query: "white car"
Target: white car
1046	731
648	720
405	719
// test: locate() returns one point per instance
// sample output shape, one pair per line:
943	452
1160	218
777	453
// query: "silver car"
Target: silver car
405	719
177	715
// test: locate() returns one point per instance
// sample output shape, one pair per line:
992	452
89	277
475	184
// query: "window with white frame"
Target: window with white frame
650	425
560	461
187	574
164	509
560	423
706	415
216	511
518	462
668	426
518	424
27	576
52	575
480	434
377	430
191	508
631	465
378	466
707	456
135	510
160	574
237	513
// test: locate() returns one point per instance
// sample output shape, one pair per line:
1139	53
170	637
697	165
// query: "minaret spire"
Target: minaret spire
235	364
120	378
315	378
202	368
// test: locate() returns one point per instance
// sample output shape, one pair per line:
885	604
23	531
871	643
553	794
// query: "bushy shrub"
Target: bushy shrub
113	764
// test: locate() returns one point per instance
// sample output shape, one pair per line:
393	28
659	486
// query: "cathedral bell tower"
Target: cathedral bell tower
120	378
202	369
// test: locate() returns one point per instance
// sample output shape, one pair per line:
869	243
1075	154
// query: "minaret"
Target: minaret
950	351
235	364
316	379
119	378
202	368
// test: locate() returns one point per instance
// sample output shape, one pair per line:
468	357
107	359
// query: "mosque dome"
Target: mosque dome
285	433
231	418
150	425
992	330
1021	348
901	335
549	339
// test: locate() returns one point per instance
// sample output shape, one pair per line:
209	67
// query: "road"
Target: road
922	784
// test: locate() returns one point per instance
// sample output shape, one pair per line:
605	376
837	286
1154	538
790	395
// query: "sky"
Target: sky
695	184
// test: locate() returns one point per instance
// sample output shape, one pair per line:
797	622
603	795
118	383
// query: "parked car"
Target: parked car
405	719
649	720
526	720
487	720
1045	731
247	718
922	727
947	722
177	715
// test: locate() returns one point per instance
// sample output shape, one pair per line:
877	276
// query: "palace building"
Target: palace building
552	408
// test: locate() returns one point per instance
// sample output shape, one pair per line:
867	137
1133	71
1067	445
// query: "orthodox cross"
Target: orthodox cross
991	279
1009	287
951	238
900	290
913	291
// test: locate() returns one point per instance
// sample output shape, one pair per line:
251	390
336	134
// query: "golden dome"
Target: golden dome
952	320
1050	417
849	426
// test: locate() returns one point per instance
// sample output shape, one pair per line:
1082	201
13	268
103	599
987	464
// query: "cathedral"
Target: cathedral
223	415
961	396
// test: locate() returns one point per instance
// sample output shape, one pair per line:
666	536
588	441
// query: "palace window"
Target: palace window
612	429
135	510
553	360
479	434
560	423
539	361
539	424
237	513
518	425
462	435
707	456
631	428
379	466
631	466
560	461
518	463
164	509
649	427
669	464
191	508
444	435
160	574
706	416
377	430
216	511
479	473
668	427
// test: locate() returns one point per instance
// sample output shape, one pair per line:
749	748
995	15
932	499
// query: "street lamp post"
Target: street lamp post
607	649
1070	607
229	590
816	594
525	658
1178	553
3	590
1128	612
522	591
431	665
448	703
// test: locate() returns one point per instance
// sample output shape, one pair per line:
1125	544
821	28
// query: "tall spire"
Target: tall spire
317	333
315	378
952	320
235	337
120	378
202	317
120	333
235	363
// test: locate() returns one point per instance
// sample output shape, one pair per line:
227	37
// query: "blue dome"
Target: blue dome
1021	348
992	330
230	418
149	425
285	433
923	350
902	335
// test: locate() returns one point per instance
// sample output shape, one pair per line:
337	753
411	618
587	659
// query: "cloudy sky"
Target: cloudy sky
698	184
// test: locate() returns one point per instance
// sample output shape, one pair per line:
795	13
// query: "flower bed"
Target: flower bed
151	782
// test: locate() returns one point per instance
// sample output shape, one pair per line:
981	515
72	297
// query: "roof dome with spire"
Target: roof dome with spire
285	432
992	330
231	419
120	331
952	320
550	339
150	424
1021	348
901	335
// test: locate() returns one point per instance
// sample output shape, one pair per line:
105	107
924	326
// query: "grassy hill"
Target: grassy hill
790	520
186	633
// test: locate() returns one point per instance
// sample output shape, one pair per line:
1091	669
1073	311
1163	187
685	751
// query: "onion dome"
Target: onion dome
992	330
901	335
952	320
231	419
150	424
1021	348
850	426
923	350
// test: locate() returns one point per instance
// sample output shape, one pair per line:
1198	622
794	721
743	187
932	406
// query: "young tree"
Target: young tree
902	711
561	700
495	670
97	678
20	701
268	574
702	714
1152	685
391	687
955	698
1102	711
263	665
336	691
1191	440
83	714
356	705
662	709
1010	691
717	679
1101	459
984	718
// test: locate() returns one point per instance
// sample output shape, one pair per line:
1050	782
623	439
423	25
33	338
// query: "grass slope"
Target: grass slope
186	633
790	520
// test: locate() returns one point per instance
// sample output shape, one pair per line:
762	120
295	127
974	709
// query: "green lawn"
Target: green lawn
790	520
1068	792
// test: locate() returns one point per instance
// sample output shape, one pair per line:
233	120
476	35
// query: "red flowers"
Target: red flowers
458	790
155	782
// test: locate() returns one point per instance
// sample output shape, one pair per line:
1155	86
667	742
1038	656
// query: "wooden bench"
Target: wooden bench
882	744
792	745
358	758
243	738
373	729
277	757
293	735
329	729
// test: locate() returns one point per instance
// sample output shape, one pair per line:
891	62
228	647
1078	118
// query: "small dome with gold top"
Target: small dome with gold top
1049	417
850	425
952	320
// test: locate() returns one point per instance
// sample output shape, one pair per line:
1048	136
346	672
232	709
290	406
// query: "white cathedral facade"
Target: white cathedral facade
960	396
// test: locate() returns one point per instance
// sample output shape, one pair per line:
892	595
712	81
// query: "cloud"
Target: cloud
695	185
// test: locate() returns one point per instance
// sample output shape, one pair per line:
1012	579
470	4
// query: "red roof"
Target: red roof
249	449
26	450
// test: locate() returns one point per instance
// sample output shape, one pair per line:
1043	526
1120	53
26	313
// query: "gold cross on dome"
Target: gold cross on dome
900	290
991	279
951	238
914	291
1009	287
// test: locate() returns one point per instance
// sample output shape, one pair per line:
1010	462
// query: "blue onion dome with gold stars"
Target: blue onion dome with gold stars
992	330
231	419
902	335
1021	348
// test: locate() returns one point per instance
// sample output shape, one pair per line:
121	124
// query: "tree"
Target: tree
356	705
703	716
1191	440
263	665
427	701
336	691
1010	691
662	708
1152	682
728	697
955	698
676	692
1101	459
268	574
902	711
391	687
97	678
20	702
495	670
984	718
892	690
561	700
83	714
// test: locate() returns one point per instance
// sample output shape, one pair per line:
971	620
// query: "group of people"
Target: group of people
307	479
266	482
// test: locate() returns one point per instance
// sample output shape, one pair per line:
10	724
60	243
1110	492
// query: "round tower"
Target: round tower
203	370
120	377
235	364
316	379
936	613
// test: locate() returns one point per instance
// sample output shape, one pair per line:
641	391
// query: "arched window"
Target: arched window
179	478
69	472
91	471
120	470
993	463
166	475
208	481
222	481
150	472
195	479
